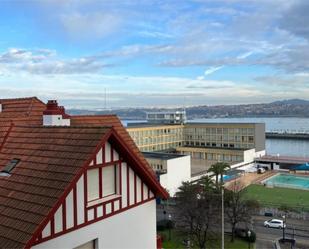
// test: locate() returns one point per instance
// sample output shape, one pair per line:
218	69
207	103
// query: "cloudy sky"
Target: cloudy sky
154	53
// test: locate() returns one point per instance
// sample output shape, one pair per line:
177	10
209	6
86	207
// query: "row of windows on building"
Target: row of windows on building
214	156
194	131
231	138
155	140
219	145
156	132
156	166
188	137
204	130
159	147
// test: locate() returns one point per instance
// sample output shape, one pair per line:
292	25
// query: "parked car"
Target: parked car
274	223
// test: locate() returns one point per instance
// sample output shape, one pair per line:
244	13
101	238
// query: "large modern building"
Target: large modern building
211	141
235	143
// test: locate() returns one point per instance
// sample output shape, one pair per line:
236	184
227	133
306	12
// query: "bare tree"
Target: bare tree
237	208
197	210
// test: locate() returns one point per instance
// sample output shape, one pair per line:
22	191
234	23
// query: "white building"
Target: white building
171	169
74	185
166	117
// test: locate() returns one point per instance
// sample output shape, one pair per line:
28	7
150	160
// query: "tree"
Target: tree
196	210
237	208
218	169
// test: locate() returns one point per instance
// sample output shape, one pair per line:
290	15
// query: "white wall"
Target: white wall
178	170
134	228
55	120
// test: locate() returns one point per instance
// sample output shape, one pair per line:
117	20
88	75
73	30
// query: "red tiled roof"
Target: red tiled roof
50	157
22	111
112	120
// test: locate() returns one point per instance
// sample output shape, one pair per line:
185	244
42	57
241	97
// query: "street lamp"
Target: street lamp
169	226
283	229
249	237
222	218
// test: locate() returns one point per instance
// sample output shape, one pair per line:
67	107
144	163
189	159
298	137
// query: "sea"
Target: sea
287	147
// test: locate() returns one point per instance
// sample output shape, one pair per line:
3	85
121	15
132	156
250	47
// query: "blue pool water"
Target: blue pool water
288	181
229	177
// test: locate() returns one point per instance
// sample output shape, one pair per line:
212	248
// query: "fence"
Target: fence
296	211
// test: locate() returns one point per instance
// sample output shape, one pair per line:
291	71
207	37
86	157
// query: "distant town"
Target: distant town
284	108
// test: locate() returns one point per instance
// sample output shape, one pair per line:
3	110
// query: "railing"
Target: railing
288	131
297	207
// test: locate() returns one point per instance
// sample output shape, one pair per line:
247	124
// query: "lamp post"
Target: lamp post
249	236
283	228
222	208
169	226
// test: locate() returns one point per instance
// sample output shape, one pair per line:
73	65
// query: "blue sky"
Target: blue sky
154	53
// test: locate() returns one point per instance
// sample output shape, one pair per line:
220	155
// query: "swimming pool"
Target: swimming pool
288	181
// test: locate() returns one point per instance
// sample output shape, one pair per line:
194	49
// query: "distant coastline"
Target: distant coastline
293	108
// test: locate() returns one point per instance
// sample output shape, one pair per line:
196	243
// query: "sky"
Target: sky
146	53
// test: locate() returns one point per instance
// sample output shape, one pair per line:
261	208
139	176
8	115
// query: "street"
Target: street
298	229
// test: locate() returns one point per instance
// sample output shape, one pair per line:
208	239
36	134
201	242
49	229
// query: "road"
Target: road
265	236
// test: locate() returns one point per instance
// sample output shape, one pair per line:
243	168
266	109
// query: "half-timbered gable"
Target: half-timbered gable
108	186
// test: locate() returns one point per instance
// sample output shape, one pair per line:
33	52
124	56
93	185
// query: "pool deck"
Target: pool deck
253	178
247	179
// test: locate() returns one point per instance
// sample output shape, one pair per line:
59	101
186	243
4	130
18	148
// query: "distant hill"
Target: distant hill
282	108
291	102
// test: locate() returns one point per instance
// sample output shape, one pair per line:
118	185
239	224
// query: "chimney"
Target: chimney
55	115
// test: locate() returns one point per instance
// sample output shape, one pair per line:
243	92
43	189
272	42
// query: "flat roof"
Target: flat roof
223	123
150	124
162	155
141	125
282	159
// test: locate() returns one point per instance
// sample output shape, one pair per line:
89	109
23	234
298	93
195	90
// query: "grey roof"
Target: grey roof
160	155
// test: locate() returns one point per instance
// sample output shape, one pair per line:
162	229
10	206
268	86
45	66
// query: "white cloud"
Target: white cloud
44	61
212	70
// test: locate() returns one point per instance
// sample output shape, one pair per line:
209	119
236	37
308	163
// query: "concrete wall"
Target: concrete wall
178	170
259	137
134	228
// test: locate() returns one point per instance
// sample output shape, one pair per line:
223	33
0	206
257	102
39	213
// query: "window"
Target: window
107	180
10	166
89	245
93	184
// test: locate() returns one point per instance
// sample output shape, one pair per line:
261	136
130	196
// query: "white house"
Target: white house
74	185
171	169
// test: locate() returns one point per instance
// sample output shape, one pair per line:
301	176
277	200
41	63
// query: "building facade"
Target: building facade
206	141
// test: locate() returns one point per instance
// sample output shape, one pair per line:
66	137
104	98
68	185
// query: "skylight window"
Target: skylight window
9	167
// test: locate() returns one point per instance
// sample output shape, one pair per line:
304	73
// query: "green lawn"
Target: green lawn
276	197
177	238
